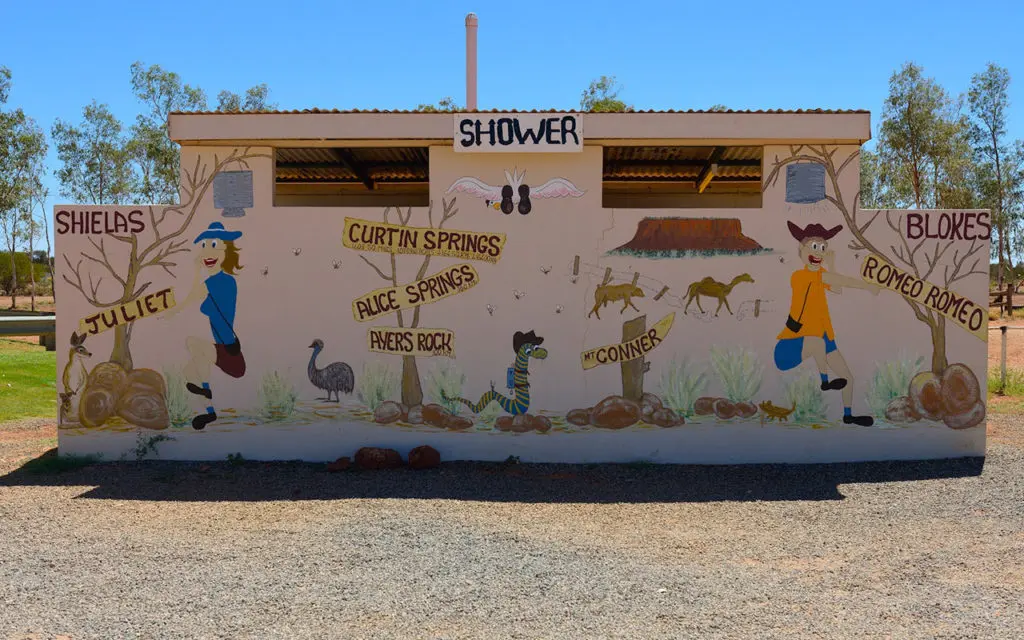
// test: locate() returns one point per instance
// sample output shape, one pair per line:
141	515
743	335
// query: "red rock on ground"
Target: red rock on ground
378	458
341	464
424	457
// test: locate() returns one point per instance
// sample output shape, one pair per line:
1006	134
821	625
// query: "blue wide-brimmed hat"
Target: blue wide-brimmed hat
216	230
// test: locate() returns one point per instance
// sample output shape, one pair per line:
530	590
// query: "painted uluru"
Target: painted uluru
685	237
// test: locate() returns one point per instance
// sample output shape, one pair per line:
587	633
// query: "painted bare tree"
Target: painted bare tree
922	258
167	226
412	390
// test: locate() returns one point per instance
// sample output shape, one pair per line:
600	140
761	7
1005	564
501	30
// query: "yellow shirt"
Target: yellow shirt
815	319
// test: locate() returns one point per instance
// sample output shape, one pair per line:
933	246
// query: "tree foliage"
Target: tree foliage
22	153
444	105
95	163
255	99
603	96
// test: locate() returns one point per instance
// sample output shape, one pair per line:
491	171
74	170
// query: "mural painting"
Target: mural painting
689	238
160	297
217	261
515	194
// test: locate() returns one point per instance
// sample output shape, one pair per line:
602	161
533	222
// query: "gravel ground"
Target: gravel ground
155	550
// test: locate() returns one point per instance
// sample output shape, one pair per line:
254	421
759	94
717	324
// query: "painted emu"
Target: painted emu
336	377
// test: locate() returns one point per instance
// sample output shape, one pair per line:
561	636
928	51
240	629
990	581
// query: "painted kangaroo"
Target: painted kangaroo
606	293
526	346
74	376
713	289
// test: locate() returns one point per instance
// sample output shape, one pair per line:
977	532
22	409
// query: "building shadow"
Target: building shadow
246	481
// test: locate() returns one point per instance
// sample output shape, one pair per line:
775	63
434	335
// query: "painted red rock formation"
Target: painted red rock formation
689	234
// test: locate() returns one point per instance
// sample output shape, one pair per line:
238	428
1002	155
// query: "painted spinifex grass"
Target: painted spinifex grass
739	371
890	380
804	393
443	383
682	382
376	384
277	397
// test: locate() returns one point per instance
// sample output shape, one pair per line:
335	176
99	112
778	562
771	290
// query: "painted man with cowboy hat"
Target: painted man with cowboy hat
808	332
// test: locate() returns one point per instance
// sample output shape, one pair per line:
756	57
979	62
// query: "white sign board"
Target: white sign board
518	132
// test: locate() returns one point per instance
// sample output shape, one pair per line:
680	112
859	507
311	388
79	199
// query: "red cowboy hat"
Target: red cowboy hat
813	230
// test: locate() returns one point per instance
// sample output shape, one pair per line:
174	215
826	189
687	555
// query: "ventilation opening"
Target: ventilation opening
681	177
352	177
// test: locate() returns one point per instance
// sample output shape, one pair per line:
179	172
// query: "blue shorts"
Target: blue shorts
789	352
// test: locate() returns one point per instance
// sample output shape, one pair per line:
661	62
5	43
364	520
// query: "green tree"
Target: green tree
94	157
444	105
603	96
155	156
255	99
22	149
988	102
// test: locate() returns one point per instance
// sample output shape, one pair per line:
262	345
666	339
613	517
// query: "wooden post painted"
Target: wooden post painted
1009	300
636	277
576	266
607	275
633	371
661	293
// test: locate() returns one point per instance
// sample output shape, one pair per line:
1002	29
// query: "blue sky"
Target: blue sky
533	54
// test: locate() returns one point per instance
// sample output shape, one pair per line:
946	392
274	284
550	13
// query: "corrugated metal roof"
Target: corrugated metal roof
379	164
667	163
411	164
406	111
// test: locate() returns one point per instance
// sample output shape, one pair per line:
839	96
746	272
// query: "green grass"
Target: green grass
1014	382
28	381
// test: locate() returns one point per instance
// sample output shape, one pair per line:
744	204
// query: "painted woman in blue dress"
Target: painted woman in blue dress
214	285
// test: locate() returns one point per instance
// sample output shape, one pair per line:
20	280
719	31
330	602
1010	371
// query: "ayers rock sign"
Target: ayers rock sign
682	237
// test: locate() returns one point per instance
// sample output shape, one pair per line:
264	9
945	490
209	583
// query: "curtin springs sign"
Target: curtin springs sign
518	132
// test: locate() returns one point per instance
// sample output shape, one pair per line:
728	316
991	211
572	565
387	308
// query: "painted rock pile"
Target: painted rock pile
523	423
723	408
953	398
139	397
433	414
616	412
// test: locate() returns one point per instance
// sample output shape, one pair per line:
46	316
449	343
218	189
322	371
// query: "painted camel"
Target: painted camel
712	288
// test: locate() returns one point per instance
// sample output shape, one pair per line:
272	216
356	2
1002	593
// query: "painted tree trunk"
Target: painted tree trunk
633	371
412	392
939	361
121	353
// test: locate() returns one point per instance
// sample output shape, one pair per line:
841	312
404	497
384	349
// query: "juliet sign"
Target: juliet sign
518	132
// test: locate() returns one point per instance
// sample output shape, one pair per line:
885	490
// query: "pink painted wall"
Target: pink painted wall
290	293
